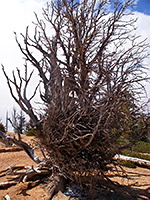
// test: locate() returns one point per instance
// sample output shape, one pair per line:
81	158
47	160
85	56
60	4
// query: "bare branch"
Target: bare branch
23	145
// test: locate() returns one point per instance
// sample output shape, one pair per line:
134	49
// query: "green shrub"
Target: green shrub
128	152
31	132
128	164
142	147
2	128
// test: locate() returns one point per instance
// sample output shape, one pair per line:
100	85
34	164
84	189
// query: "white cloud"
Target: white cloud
143	29
143	25
15	16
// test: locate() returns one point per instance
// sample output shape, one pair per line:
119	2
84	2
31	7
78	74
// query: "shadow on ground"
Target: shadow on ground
105	189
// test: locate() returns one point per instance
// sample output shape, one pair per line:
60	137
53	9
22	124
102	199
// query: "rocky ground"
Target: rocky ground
132	184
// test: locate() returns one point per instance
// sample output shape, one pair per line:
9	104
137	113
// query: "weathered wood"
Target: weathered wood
56	184
7	184
10	149
138	161
23	173
13	167
23	145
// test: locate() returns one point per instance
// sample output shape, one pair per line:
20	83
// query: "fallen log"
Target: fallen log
10	149
138	161
4	185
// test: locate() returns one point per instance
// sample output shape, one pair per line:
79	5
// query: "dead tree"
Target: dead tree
6	124
18	121
90	83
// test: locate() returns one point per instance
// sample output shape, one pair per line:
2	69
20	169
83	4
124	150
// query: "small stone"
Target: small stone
7	197
60	196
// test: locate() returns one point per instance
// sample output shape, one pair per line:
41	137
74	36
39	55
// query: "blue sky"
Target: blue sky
143	6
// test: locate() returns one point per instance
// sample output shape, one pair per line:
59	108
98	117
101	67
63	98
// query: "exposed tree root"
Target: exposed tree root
22	173
5	185
57	183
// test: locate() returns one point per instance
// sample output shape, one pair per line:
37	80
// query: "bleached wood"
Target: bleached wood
7	184
138	161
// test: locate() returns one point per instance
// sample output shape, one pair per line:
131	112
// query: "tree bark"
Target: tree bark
57	183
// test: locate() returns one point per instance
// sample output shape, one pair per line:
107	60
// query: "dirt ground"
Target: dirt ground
136	186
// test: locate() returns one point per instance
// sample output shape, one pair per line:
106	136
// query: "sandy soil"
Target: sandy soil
19	192
135	182
136	186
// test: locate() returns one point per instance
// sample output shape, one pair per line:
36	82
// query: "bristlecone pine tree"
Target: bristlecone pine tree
90	73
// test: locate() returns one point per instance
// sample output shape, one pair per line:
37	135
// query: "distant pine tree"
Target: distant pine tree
2	127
